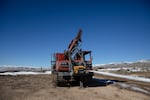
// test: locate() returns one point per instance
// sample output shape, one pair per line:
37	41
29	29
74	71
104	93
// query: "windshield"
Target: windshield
78	64
64	64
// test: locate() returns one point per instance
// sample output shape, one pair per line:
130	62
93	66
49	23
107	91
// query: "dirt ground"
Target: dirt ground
39	87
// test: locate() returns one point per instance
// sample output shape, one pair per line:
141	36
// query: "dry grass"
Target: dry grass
39	87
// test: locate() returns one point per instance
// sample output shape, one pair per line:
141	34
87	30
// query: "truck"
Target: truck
72	65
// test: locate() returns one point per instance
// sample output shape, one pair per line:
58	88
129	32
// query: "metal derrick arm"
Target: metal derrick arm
73	49
75	43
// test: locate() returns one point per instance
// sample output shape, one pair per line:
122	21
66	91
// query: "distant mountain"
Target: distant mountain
140	63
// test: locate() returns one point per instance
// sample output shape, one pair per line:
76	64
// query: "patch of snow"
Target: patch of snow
19	66
135	69
99	65
109	69
135	88
135	78
139	89
24	73
48	72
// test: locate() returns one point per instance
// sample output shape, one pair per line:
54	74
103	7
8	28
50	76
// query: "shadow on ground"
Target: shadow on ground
95	82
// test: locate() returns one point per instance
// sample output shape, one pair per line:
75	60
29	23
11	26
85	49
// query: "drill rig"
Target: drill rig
73	64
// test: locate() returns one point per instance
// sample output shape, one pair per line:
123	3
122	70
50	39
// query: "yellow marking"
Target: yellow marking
76	68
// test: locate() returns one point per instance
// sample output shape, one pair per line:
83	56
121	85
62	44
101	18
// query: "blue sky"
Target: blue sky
115	30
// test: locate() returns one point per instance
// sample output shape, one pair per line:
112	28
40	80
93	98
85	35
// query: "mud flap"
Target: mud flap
55	80
83	80
81	84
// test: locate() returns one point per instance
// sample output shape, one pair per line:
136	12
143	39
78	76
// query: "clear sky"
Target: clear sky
115	30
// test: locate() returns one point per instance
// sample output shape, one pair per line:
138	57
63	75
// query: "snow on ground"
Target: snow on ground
109	69
135	78
135	69
132	87
48	72
24	73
